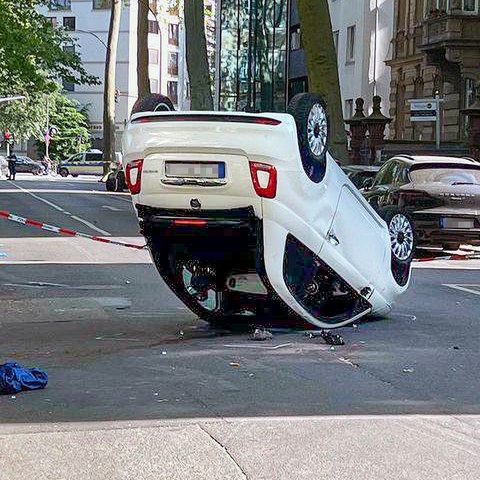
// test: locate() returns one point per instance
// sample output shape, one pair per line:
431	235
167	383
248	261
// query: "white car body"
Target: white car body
330	218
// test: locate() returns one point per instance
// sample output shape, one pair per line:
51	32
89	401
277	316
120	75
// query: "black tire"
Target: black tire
403	244
154	102
63	172
451	246
74	175
111	184
313	142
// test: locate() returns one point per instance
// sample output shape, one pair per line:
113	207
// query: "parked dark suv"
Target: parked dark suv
438	196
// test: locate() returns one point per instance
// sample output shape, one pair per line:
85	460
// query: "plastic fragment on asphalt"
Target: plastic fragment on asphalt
332	348
234	364
3	254
455	347
329	337
164	353
127	282
408	370
261	334
14	378
13	397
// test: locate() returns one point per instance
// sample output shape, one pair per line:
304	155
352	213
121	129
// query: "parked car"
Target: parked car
248	217
359	173
84	163
27	165
440	196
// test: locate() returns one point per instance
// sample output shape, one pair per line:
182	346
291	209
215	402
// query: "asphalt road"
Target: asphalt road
118	345
109	337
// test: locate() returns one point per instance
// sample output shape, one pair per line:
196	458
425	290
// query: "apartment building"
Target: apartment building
88	21
436	51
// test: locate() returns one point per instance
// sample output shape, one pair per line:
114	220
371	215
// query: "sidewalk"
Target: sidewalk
333	448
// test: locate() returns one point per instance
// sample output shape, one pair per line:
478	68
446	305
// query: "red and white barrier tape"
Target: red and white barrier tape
64	231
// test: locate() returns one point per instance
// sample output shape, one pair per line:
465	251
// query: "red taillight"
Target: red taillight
264	178
133	176
194	222
205	117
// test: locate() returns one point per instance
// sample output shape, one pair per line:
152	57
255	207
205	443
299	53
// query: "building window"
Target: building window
336	36
173	34
69	23
470	6
295	39
348	108
60	5
52	21
152	26
172	91
102	4
153	56
351	44
154	85
470	92
173	63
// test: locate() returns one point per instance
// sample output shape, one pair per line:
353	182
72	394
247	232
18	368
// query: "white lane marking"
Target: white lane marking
463	288
91	225
113	209
50	190
60	209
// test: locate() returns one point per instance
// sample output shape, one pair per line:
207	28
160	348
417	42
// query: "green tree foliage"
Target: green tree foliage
71	120
32	57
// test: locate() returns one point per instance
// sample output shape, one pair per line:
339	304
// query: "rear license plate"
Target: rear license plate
459	223
195	169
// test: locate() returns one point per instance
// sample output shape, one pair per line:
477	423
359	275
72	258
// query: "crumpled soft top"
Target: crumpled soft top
14	378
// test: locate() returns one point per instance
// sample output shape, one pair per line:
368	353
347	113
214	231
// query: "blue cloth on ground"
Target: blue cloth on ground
14	378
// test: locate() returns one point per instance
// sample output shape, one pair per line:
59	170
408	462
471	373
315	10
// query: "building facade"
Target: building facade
88	21
436	50
262	62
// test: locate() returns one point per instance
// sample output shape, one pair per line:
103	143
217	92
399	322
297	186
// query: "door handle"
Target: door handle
333	238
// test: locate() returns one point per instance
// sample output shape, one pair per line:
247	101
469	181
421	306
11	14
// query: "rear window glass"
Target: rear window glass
446	175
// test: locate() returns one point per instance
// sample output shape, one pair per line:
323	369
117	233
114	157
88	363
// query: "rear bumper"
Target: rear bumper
430	233
199	223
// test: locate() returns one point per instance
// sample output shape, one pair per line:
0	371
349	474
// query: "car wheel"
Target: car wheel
310	114
36	172
74	175
154	102
402	233
63	172
111	183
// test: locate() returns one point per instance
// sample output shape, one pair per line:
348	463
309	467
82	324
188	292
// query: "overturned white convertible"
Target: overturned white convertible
248	218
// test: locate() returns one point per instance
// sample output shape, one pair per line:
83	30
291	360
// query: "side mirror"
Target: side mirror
367	183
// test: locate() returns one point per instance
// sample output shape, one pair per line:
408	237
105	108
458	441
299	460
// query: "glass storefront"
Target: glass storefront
253	55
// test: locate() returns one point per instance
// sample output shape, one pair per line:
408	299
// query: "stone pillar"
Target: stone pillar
376	123
358	131
473	115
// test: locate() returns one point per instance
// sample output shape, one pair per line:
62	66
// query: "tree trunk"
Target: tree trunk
143	79
197	58
109	92
317	38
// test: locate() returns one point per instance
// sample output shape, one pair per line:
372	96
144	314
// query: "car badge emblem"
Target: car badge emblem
195	204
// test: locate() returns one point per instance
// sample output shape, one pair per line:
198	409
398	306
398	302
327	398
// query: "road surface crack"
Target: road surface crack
225	449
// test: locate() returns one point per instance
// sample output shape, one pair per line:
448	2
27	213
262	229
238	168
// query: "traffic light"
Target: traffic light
117	94
9	138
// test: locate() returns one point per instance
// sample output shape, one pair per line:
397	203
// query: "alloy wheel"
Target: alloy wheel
317	129
401	236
